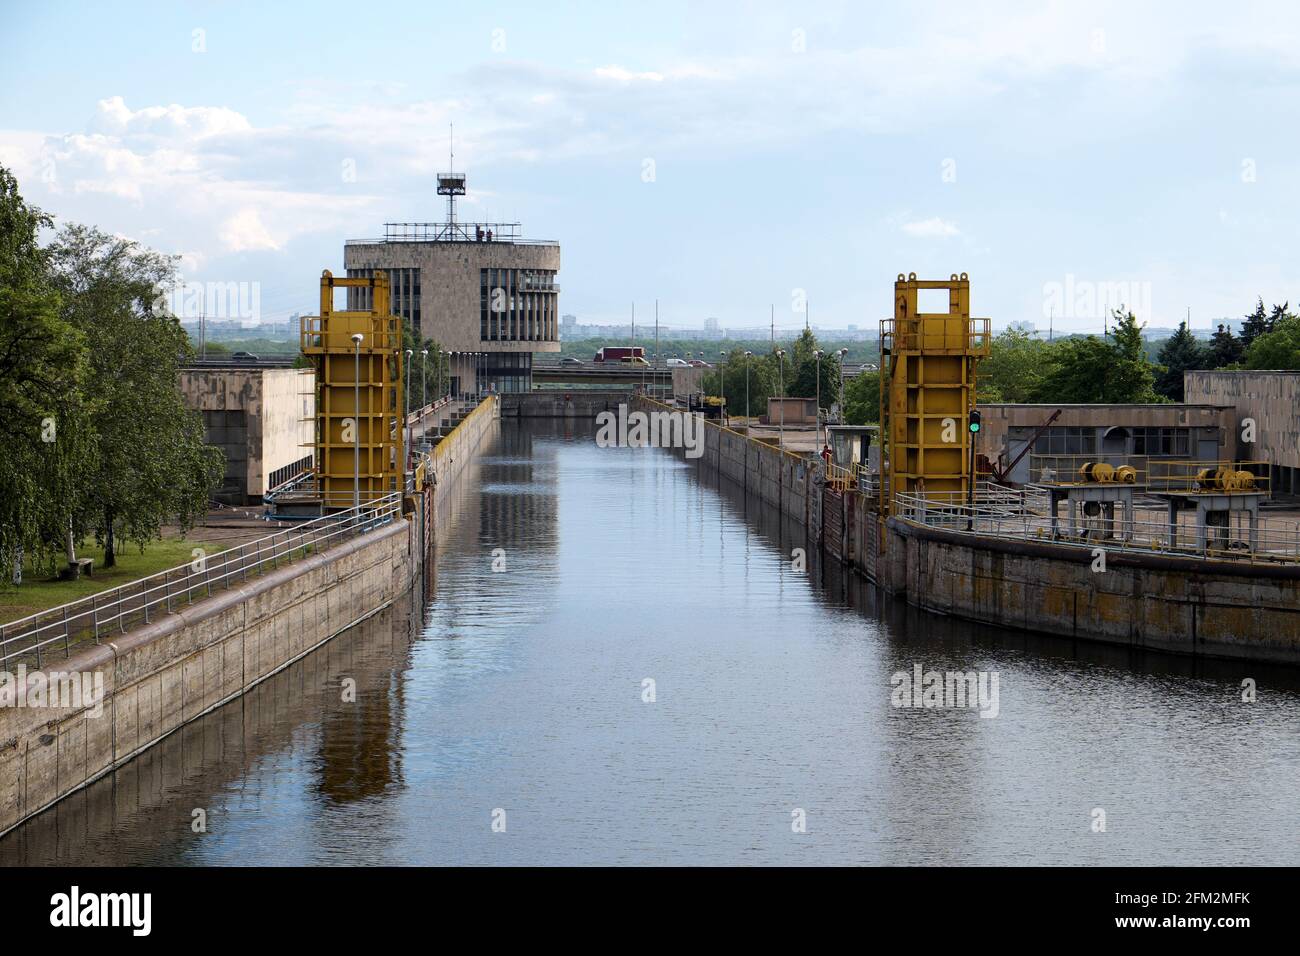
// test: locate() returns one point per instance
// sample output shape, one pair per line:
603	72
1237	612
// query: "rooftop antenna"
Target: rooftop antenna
451	184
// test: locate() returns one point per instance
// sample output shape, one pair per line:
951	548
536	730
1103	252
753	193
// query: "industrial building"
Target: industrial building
1266	407
481	291
1028	438
260	416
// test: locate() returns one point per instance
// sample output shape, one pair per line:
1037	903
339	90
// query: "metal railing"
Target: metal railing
119	609
1025	514
1085	469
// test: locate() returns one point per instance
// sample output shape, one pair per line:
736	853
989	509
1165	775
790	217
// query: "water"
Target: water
519	699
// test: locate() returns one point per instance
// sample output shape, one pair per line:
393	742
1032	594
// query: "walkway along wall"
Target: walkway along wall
161	676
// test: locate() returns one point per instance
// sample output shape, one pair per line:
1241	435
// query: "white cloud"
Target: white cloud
245	232
934	228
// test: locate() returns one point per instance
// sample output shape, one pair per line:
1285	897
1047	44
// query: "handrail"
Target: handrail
1025	514
130	604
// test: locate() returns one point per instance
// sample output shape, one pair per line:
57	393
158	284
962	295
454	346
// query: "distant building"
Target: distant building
483	293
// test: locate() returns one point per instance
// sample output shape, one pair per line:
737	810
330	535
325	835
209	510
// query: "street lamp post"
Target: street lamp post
410	353
843	418
780	372
748	356
356	425
818	355
722	387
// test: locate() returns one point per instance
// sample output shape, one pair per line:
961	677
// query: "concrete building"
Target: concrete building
483	293
260	417
1268	400
1118	434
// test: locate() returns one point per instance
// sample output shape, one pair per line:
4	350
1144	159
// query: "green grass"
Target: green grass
38	592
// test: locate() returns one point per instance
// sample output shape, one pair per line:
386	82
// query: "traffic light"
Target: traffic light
974	421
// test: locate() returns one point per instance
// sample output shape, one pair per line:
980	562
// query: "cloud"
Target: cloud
934	228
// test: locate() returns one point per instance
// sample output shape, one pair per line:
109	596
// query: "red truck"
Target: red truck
619	353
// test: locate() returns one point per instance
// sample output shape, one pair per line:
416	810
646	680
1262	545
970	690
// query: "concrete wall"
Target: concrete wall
1218	609
788	482
1272	399
454	452
554	403
274	408
161	676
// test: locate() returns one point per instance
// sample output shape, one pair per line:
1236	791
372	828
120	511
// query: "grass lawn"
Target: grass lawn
38	592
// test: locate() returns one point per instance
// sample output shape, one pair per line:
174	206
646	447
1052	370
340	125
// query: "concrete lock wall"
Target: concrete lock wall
786	481
453	453
160	677
1183	605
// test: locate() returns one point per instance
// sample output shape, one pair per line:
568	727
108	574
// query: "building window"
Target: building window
1066	440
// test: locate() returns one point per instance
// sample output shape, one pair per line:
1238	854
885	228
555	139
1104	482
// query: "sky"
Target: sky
722	158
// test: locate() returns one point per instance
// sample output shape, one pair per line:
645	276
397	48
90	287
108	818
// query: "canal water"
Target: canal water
612	662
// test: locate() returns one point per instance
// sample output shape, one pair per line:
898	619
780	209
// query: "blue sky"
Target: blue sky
1061	154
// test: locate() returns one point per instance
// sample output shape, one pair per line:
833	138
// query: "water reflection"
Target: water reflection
571	580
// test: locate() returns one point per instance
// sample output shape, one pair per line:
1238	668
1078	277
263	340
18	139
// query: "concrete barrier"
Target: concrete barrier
161	676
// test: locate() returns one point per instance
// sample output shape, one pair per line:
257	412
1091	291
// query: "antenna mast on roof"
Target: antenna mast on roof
451	184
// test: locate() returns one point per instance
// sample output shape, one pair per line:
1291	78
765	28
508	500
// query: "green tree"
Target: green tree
1131	376
1075	371
1256	324
1014	369
862	398
152	464
1278	349
1181	352
1225	348
762	382
43	445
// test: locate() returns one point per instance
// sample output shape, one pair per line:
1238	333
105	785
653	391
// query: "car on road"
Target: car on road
633	360
243	357
697	363
678	363
570	360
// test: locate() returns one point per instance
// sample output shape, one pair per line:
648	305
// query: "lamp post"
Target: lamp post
748	355
722	387
410	353
356	425
780	372
843	417
451	361
817	354
424	377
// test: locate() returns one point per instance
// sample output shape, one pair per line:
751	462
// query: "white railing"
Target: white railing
116	610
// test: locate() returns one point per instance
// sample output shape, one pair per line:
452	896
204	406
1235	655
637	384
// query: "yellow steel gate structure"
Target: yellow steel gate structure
927	390
359	406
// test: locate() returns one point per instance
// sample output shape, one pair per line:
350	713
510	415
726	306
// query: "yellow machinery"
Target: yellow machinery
1104	473
358	359
927	390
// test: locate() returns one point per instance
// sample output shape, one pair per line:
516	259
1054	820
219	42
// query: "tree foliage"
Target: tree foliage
95	438
1180	352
